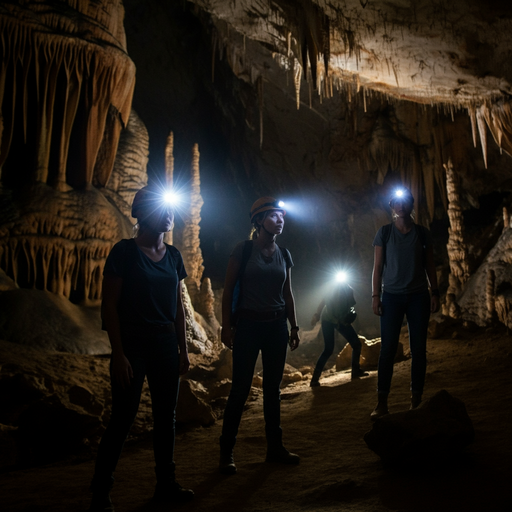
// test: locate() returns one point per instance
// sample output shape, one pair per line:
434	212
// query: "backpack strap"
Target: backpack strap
286	255
386	234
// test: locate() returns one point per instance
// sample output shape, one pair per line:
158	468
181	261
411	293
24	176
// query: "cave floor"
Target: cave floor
326	427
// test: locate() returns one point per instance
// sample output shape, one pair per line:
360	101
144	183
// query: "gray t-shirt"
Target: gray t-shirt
404	268
263	281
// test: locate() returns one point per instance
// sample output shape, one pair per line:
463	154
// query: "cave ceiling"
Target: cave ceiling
455	54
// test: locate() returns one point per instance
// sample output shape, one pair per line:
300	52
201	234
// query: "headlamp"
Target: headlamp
341	277
171	198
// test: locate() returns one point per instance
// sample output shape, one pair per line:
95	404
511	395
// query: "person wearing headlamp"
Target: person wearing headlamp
261	271
336	312
403	271
143	314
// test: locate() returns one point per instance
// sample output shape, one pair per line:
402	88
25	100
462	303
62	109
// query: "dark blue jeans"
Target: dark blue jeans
416	308
156	357
348	332
251	337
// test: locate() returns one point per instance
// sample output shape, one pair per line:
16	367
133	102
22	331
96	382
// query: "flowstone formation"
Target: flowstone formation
67	86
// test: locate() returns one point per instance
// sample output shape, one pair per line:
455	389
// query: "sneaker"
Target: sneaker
282	456
356	374
172	491
227	463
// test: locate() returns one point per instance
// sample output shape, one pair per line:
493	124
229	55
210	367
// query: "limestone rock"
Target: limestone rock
436	430
6	283
192	406
43	320
224	364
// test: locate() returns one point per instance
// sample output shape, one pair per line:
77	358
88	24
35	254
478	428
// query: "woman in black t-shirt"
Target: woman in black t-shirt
143	313
263	272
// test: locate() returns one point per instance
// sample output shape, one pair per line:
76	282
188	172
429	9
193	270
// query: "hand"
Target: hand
377	305
226	336
184	362
435	304
122	371
314	320
294	339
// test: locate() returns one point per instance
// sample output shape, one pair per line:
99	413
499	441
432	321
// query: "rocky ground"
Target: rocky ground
324	425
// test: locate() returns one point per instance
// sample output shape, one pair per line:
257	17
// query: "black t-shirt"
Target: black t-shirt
149	292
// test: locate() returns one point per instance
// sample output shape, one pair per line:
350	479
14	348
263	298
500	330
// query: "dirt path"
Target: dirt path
325	426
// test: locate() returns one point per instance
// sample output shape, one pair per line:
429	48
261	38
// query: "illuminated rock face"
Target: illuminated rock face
65	96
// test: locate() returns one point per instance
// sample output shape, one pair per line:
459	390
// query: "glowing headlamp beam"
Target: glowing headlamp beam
171	198
341	277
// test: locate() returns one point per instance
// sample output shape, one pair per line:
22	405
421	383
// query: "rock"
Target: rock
220	389
433	432
8	450
43	320
370	350
192	407
224	365
6	283
257	381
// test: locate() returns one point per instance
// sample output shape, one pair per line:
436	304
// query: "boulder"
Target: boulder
192	407
438	429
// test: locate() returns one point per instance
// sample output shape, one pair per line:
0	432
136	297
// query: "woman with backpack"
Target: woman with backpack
337	312
403	271
143	314
259	276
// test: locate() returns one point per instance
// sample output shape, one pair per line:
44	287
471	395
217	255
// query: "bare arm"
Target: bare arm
180	325
432	278
227	300
378	264
121	368
289	301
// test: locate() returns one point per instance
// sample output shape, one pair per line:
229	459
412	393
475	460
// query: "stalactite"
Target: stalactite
457	248
191	249
483	134
260	106
74	78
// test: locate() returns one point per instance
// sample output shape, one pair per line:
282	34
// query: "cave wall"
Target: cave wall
334	158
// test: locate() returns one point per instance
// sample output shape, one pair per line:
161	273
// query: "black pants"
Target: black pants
348	332
251	337
157	357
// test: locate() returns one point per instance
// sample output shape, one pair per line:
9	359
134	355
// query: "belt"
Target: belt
260	316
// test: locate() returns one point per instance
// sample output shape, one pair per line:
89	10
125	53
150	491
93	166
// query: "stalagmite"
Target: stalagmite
457	248
191	251
169	173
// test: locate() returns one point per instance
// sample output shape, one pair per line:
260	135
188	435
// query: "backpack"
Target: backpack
386	234
237	291
340	304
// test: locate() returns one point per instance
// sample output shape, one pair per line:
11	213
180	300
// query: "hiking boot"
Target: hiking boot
381	409
171	491
227	462
281	455
415	400
101	502
356	374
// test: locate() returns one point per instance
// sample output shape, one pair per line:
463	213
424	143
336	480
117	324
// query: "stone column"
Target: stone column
169	174
457	248
191	250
